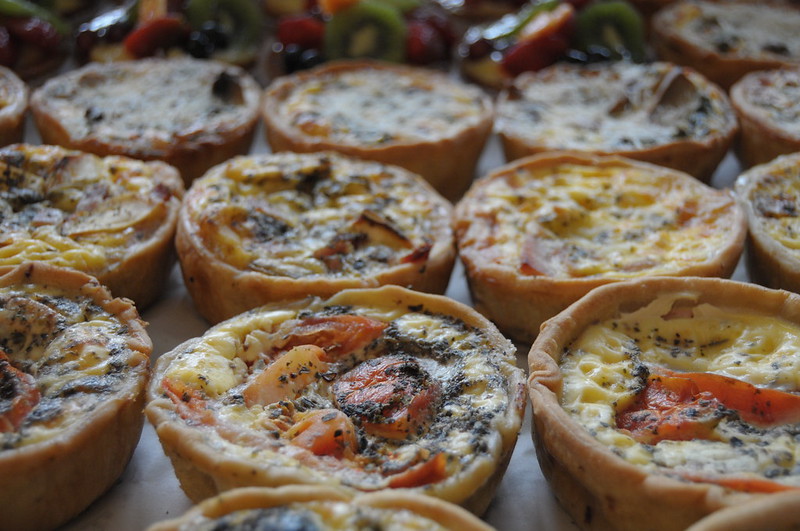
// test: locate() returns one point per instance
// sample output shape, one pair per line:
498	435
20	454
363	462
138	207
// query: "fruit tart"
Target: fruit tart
322	507
656	112
113	218
74	365
662	400
263	228
537	235
412	117
371	389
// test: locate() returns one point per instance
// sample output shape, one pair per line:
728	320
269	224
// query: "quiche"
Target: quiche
13	107
412	117
111	217
370	389
538	234
190	113
777	512
268	227
74	365
658	112
322	507
767	104
770	195
662	400
726	40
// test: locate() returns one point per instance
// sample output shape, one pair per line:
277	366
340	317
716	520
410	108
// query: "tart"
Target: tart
13	107
278	226
112	217
323	507
412	117
770	195
726	40
73	370
767	104
538	234
659	113
370	389
189	113
666	399
777	512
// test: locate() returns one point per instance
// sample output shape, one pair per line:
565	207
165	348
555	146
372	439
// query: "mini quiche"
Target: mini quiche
658	113
776	512
74	365
538	234
726	40
662	400
268	227
111	217
318	508
412	117
13	107
189	113
770	195
767	104
370	389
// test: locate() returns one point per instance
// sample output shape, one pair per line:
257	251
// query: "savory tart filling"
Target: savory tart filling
370	389
13	106
94	214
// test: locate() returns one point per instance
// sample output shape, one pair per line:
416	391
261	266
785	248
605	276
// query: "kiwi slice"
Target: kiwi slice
614	25
369	28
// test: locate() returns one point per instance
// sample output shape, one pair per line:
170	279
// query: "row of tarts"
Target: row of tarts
392	388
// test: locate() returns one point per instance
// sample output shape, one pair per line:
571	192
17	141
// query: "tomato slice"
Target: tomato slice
18	395
325	432
337	335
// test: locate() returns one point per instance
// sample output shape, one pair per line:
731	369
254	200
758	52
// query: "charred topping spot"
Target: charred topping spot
228	88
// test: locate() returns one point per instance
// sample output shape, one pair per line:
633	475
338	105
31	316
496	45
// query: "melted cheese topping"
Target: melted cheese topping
467	426
775	96
578	221
376	107
77	210
78	353
318	214
602	372
149	105
754	30
615	107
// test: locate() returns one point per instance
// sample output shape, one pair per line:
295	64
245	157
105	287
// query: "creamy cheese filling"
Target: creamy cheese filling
604	368
619	107
376	107
775	198
775	95
577	221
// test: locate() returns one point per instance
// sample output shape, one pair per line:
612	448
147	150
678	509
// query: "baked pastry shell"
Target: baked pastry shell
47	483
13	112
204	472
777	512
448	163
759	141
518	304
220	290
698	157
596	487
445	514
192	152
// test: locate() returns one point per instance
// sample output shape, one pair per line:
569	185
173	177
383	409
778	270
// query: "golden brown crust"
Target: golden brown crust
518	303
596	487
13	107
62	476
777	512
448	162
60	105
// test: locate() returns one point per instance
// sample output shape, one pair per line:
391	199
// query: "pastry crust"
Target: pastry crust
335	507
68	438
726	40
13	107
766	103
263	228
628	333
189	113
538	234
450	357
770	195
658	113
777	512
113	218
412	117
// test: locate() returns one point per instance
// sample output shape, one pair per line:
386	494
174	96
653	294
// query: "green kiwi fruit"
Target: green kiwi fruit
614	25
370	28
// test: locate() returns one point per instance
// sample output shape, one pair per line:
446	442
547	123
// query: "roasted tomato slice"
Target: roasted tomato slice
18	395
337	335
